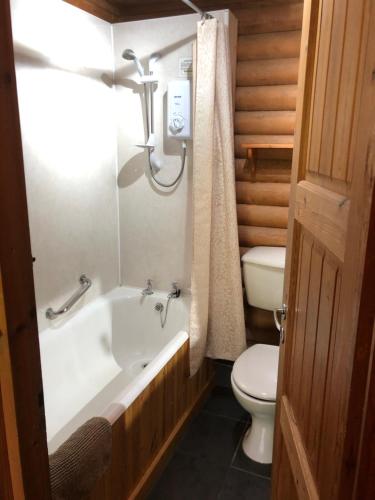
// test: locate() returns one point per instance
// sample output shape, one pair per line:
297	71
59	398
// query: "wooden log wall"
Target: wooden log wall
265	105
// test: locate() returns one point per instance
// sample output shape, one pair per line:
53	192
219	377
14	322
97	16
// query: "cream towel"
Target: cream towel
217	327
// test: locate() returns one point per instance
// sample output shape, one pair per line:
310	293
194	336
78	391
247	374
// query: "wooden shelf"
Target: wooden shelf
252	150
267	146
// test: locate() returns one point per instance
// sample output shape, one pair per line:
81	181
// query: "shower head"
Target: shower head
129	55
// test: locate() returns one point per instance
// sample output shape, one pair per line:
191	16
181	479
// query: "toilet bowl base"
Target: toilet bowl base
257	443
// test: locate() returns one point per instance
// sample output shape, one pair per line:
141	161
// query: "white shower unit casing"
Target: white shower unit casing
179	109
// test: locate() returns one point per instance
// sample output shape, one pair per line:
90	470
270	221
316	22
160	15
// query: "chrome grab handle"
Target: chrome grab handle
282	311
85	285
276	318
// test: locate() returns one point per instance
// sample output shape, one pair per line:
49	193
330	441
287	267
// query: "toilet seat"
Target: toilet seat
255	372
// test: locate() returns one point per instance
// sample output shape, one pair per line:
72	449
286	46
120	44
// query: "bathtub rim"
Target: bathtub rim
125	399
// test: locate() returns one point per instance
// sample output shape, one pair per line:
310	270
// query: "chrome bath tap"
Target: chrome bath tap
175	292
148	290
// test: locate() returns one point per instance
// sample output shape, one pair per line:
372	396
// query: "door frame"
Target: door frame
358	461
22	421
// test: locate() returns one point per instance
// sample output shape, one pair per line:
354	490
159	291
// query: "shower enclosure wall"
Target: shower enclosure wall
156	239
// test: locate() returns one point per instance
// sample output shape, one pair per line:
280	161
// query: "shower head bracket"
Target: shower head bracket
148	79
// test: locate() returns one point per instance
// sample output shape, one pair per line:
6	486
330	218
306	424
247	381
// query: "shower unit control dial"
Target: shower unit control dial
177	124
179	109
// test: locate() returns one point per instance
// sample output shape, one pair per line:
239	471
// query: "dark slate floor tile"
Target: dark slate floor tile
243	462
222	402
189	477
213	438
223	373
240	485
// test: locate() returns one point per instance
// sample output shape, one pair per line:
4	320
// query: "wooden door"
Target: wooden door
325	359
24	471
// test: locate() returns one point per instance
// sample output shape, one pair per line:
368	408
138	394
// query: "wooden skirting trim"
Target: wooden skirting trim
284	44
267	72
325	214
304	481
157	465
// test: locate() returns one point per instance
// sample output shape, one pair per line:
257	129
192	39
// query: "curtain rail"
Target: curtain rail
204	15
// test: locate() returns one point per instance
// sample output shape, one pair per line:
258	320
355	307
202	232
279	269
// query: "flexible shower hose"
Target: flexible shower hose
173	183
163	321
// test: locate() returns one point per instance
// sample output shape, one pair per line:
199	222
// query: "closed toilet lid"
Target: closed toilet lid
255	371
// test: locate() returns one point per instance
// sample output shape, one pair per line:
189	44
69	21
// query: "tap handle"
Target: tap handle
175	289
149	283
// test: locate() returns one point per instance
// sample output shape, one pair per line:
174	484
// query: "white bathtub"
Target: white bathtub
100	359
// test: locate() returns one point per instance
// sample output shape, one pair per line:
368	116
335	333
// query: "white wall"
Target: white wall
155	225
64	64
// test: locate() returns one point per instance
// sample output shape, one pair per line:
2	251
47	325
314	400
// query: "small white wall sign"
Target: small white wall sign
185	67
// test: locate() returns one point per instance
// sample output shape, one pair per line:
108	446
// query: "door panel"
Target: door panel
337	69
285	488
315	327
330	290
324	213
332	186
333	88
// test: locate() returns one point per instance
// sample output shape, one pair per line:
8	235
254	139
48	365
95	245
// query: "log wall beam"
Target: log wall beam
267	72
266	97
279	45
264	122
266	170
252	236
262	216
263	193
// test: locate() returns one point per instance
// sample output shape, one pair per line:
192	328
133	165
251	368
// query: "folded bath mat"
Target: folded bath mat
81	460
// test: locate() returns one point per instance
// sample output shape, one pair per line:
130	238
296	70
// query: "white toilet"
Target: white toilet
254	374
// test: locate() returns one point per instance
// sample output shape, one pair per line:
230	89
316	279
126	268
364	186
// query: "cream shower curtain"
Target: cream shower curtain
217	326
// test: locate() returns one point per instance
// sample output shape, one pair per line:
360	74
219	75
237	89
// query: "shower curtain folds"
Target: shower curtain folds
217	327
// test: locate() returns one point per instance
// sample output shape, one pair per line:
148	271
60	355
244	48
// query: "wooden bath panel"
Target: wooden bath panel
145	433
